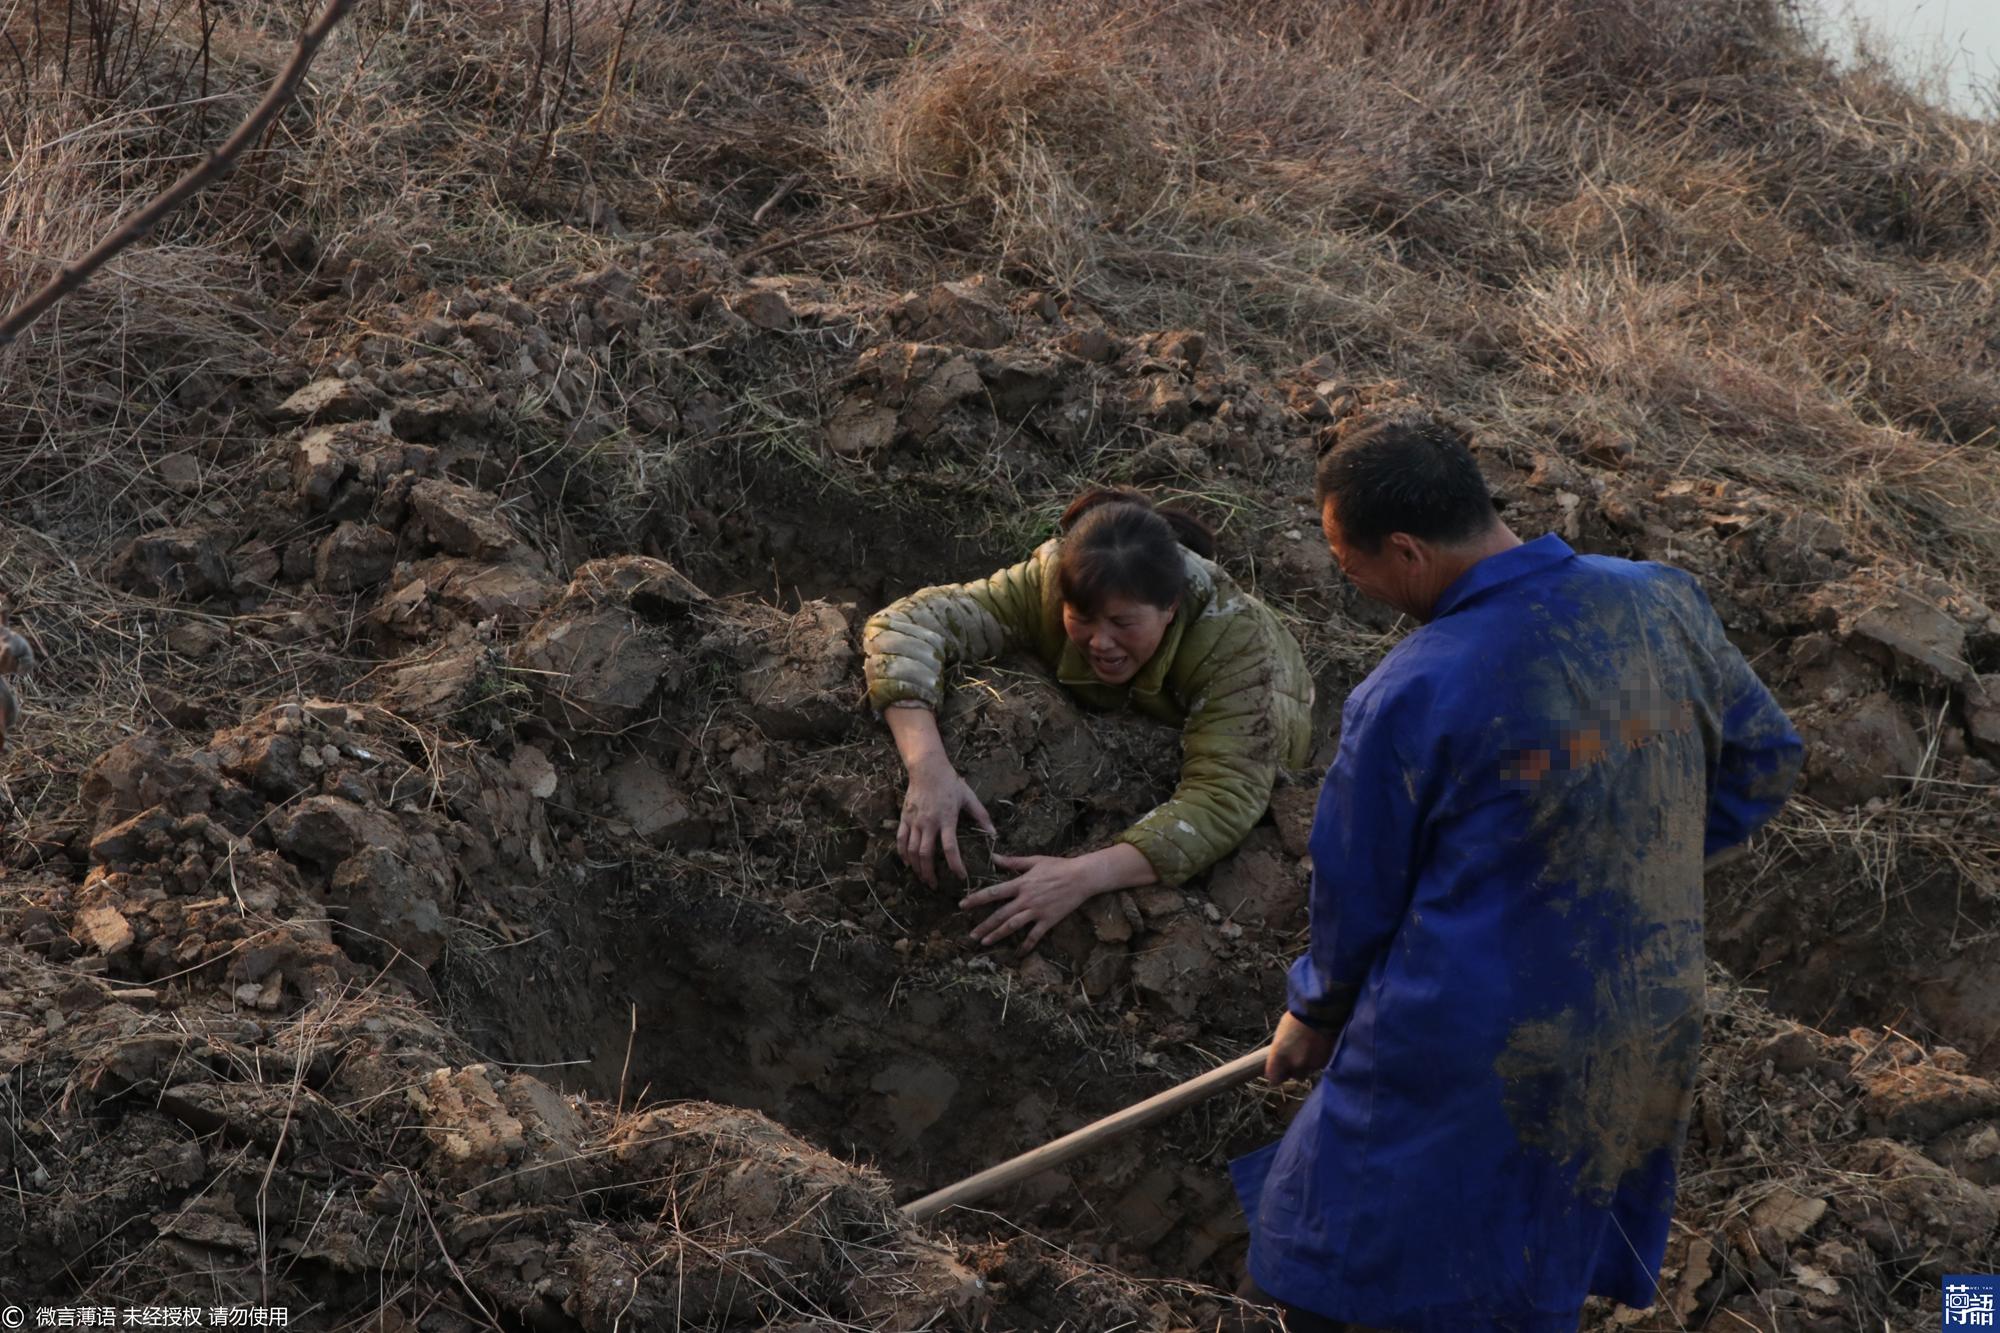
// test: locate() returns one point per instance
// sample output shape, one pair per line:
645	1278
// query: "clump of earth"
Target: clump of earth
499	919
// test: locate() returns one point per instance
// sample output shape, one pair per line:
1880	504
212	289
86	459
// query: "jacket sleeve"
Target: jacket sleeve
1364	843
1760	753
1229	758
908	644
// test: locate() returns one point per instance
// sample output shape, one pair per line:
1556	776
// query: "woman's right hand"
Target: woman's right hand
931	808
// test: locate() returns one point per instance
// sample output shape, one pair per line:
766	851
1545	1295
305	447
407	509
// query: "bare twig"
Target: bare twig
535	79
210	168
444	1252
630	1037
611	65
264	1185
778	196
875	221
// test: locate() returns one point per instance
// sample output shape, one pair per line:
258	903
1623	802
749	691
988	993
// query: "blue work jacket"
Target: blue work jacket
1507	936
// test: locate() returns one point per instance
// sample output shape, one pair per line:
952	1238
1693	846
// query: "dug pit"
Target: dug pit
857	1011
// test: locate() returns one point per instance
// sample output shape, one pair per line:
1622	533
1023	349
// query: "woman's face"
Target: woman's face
1120	638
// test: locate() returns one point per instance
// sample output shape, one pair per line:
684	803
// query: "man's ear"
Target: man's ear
1407	548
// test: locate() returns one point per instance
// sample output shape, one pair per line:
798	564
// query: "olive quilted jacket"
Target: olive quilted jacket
1227	672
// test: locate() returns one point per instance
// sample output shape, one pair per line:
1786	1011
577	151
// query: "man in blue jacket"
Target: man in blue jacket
1504	987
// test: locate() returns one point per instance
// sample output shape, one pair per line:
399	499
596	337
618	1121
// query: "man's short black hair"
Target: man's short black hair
1408	472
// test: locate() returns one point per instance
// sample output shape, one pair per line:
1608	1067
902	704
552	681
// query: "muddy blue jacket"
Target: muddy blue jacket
1507	936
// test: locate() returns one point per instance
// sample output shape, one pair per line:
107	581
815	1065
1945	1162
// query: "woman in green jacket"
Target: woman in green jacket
1128	609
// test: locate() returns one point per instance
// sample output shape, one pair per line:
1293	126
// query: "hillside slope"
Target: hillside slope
446	542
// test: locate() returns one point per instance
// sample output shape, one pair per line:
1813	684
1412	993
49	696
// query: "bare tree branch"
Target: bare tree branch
815	234
210	168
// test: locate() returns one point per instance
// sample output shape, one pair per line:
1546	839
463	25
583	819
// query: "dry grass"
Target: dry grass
1046	143
109	667
1763	399
1887	862
1671	224
1672	220
1564	219
420	153
108	382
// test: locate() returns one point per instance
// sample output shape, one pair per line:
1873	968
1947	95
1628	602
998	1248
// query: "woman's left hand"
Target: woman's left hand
1044	891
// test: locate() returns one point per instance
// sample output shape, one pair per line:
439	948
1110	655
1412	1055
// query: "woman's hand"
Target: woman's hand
1049	888
931	808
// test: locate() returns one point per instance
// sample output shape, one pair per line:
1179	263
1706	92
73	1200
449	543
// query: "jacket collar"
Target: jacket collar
1495	571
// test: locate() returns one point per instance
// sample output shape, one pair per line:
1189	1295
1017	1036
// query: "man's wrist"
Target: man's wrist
1316	1024
1327	1017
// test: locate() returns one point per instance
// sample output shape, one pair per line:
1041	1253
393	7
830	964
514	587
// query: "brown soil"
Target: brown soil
633	837
451	870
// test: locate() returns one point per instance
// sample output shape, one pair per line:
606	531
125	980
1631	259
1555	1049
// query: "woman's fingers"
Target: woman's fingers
996	893
1001	924
1035	936
930	825
979	813
1014	862
951	856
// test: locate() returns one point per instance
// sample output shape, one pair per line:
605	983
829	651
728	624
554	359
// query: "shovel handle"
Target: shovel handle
1074	1144
1238	1071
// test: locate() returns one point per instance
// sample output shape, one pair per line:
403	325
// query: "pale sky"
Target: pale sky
1961	38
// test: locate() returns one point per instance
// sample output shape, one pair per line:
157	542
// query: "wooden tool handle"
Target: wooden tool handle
1099	1132
1238	1071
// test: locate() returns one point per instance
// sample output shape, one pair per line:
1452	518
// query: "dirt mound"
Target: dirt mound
206	1155
447	677
1830	1182
536	728
577	796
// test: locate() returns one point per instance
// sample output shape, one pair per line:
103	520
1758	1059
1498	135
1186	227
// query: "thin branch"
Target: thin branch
444	1251
541	62
875	221
611	66
213	166
630	1038
778	196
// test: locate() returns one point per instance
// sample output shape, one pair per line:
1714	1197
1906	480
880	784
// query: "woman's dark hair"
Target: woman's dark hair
1116	544
1405	472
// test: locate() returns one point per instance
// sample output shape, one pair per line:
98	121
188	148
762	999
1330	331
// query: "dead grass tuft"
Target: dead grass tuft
1050	140
1762	401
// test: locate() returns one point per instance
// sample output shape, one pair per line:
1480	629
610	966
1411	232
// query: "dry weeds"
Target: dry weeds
1668	225
1673	222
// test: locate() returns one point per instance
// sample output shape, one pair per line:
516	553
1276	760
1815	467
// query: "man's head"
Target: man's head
1406	510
